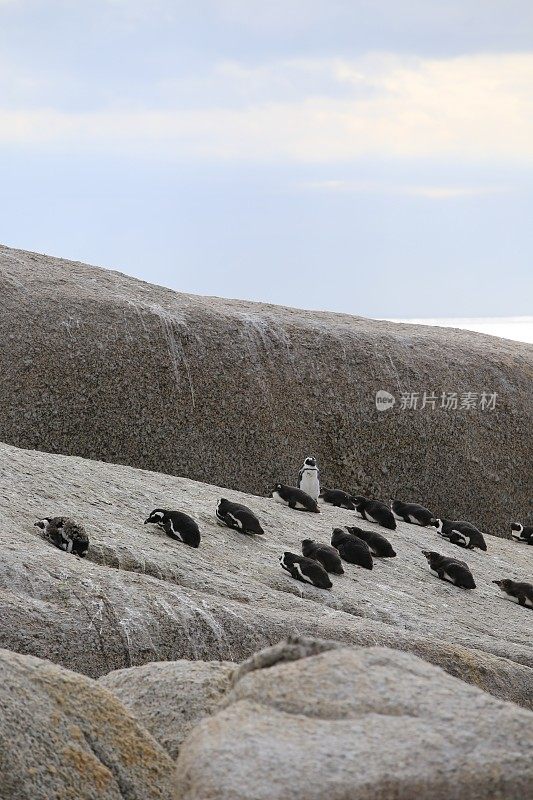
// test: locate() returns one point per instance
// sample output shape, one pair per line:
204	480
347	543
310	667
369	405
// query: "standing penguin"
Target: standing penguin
351	548
65	534
522	533
309	478
375	511
521	593
237	516
378	544
306	570
450	569
411	512
294	498
463	534
327	555
176	525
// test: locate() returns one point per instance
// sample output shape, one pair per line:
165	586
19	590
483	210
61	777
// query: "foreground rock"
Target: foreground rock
62	736
170	698
100	365
140	597
357	724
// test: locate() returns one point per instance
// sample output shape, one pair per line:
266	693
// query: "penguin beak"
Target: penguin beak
146	521
497	582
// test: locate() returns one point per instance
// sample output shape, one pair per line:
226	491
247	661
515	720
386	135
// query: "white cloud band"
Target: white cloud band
471	107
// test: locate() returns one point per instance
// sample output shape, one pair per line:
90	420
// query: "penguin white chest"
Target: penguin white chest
303	577
279	499
310	484
511	598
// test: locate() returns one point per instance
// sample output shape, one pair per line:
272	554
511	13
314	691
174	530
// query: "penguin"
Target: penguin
177	525
65	534
463	534
450	569
375	511
294	498
309	478
379	546
338	498
412	513
327	556
237	516
351	548
521	593
522	533
306	570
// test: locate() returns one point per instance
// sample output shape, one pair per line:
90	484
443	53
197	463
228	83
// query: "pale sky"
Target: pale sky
373	157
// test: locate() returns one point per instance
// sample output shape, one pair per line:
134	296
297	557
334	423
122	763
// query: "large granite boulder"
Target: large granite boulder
233	393
169	698
357	724
64	737
141	597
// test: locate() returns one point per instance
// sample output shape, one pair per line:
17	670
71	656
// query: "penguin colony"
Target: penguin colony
319	560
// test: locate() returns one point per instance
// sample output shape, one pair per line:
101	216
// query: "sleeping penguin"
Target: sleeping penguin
65	534
463	534
176	525
522	533
237	516
521	593
327	555
306	570
378	544
450	569
375	511
351	548
412	513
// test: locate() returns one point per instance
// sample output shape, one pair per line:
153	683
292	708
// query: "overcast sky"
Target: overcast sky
368	156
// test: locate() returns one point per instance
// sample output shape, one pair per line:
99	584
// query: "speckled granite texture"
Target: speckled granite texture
97	364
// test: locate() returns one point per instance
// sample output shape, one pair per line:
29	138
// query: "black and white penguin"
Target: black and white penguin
463	534
65	534
521	593
306	570
378	544
177	525
522	533
375	511
351	548
412	513
237	516
450	569
309	478
338	498
294	498
327	555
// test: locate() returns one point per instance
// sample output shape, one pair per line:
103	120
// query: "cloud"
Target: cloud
429	192
384	105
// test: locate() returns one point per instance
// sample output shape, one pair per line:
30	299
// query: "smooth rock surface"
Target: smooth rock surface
63	737
100	365
358	724
141	597
170	698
